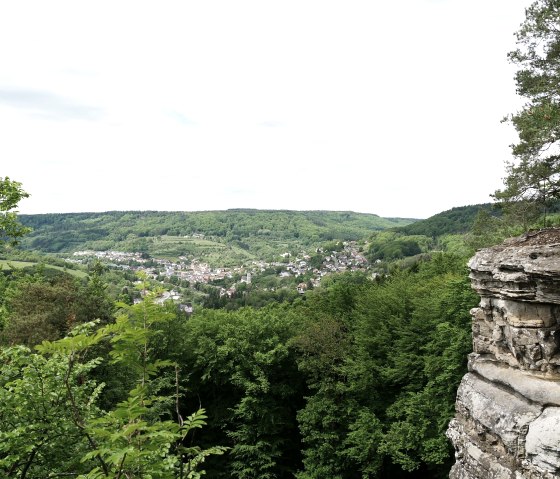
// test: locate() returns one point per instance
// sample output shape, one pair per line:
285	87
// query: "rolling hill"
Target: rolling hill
221	237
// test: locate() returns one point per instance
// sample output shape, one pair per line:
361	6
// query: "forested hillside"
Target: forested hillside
244	233
457	220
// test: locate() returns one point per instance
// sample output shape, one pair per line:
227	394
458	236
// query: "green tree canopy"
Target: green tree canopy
11	193
534	174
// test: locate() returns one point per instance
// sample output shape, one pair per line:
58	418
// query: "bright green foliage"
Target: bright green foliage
46	402
133	335
535	176
132	446
51	426
11	193
134	440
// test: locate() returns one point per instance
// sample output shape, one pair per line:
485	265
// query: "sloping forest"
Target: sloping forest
355	379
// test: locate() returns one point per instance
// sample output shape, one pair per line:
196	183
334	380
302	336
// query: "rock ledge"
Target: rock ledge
507	424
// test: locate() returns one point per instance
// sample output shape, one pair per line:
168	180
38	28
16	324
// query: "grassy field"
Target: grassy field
8	264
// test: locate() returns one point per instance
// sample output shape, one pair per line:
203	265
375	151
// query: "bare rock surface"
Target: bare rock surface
507	424
543	440
498	410
535	388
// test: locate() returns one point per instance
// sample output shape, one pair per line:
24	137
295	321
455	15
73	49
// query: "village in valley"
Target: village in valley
303	271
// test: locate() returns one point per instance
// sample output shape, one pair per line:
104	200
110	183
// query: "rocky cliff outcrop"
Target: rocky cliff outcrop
507	424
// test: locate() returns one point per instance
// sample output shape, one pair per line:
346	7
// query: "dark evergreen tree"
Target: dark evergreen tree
535	173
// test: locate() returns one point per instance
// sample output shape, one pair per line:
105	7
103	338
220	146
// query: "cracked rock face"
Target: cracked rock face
507	424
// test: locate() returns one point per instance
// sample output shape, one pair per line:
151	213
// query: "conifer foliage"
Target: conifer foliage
535	174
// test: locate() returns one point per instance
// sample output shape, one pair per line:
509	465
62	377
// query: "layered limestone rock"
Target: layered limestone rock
507	424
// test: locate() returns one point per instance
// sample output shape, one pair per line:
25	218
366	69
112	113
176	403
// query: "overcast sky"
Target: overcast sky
373	106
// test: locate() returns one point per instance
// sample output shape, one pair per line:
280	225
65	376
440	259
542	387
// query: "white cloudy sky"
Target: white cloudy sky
384	107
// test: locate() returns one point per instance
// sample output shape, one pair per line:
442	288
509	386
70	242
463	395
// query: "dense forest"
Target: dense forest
355	379
459	220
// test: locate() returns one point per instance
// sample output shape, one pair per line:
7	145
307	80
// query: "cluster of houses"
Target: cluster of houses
348	259
193	271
